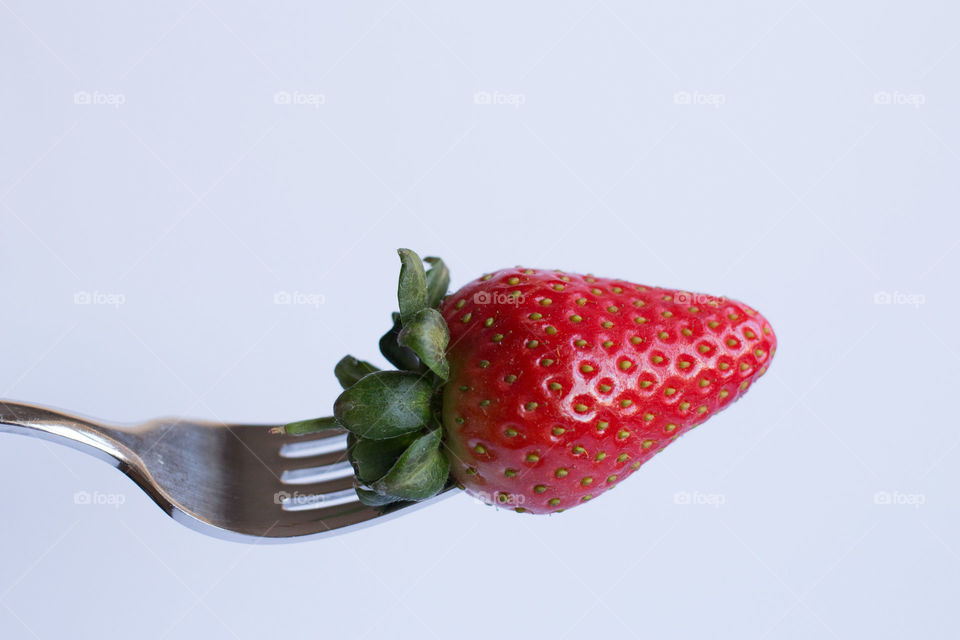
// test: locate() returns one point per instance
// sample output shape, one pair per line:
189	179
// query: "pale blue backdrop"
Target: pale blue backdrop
168	171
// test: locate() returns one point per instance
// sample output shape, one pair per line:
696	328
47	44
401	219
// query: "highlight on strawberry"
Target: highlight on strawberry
536	390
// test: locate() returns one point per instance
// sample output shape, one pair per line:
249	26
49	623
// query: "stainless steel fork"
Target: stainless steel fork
249	483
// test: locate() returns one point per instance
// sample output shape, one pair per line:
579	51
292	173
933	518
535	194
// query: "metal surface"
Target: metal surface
248	483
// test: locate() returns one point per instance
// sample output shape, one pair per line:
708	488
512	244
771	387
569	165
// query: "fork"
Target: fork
248	483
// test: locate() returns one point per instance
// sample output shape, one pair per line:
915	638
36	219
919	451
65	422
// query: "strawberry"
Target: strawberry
562	385
537	390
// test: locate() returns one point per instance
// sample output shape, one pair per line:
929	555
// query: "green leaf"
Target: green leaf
374	499
427	334
420	472
385	404
372	459
438	281
412	292
310	426
400	357
349	370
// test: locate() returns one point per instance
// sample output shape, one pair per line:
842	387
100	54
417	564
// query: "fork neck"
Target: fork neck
80	433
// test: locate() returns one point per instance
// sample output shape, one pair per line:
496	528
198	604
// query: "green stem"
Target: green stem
304	427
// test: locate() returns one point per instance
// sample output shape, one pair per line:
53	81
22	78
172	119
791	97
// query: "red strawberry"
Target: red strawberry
562	385
551	387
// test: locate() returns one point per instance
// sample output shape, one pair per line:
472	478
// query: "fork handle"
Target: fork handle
80	433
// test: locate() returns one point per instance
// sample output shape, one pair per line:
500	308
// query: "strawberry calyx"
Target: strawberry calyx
394	440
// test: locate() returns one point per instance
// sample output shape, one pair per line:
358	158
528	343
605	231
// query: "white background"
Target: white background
800	156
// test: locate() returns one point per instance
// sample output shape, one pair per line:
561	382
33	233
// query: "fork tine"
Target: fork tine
283	465
306	446
318	473
324	501
317	483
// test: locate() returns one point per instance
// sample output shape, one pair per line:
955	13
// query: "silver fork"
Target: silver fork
248	483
